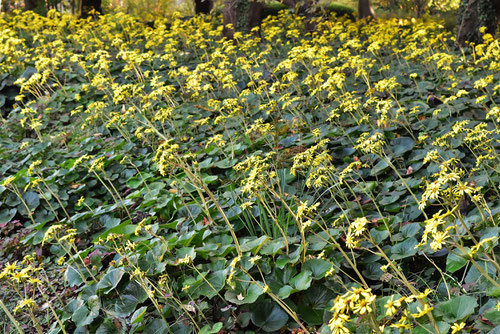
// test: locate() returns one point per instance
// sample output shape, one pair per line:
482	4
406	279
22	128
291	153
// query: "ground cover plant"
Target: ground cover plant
165	180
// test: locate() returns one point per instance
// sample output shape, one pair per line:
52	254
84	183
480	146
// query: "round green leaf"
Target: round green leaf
32	199
110	280
269	317
456	309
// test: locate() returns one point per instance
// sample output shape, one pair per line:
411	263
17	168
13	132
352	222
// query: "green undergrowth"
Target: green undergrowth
168	181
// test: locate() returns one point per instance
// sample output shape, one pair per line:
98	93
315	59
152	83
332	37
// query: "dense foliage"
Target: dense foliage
161	180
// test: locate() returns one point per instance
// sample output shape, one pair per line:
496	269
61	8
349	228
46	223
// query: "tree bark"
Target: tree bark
203	6
365	10
241	16
474	14
87	6
420	8
31	4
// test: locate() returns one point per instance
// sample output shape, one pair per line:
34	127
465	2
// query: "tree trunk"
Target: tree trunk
203	6
90	5
30	4
474	14
241	16
421	4
365	10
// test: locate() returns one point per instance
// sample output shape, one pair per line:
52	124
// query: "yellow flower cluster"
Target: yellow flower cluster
316	162
356	230
435	228
357	300
370	144
259	173
167	157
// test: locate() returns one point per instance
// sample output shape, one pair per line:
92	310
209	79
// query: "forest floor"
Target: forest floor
164	180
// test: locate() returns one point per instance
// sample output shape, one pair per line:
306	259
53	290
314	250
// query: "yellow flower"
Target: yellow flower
11	267
392	306
439	238
384	267
303	209
8	180
51	233
34	164
456	327
185	260
402	323
29	302
246	205
19	276
364	305
422	312
255	259
97	164
370	144
423	294
359	225
34	281
217	140
330	272
336	323
340	305
350	241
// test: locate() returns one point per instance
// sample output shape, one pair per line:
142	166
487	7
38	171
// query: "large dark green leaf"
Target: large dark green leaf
6	215
244	297
302	281
207	329
314	304
109	281
109	327
129	298
456	309
318	267
456	261
74	276
404	249
32	199
402	145
379	168
213	284
269	317
157	326
83	317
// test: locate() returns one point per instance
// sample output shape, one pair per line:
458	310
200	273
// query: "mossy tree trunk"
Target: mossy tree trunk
474	14
241	16
365	10
203	6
